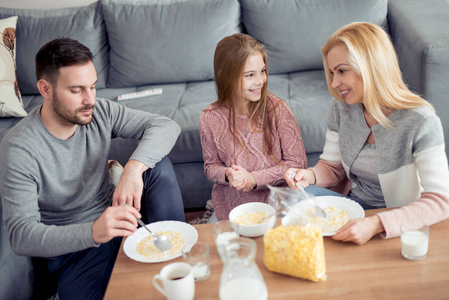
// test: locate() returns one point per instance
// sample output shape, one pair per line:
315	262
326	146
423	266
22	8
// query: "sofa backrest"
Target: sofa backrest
293	31
165	41
37	27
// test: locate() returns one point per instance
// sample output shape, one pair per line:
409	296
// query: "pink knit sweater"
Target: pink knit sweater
219	154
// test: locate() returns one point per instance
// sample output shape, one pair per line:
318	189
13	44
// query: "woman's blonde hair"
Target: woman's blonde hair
372	55
230	57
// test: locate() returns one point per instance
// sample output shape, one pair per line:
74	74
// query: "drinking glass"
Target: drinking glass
414	241
198	257
224	231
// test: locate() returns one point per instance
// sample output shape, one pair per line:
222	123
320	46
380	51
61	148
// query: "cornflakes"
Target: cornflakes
147	248
249	218
296	251
336	218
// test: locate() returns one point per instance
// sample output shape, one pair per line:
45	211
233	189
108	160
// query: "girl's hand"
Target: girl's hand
303	176
241	179
360	231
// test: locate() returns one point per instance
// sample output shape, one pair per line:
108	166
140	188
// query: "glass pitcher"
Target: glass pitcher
241	278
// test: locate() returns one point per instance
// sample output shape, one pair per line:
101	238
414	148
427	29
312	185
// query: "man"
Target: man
57	200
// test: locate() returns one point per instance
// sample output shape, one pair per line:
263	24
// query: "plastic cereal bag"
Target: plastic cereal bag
295	248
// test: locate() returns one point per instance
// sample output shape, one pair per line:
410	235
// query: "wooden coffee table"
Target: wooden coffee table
375	270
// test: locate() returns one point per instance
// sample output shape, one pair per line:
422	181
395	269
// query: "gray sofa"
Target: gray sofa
170	45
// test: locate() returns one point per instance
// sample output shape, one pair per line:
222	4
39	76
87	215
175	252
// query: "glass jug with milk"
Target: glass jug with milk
241	278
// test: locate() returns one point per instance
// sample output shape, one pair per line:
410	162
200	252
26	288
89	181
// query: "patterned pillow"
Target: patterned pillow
11	104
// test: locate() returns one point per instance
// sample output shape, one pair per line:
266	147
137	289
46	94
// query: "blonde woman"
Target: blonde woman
385	139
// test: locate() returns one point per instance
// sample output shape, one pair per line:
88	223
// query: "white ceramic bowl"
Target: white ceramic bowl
253	207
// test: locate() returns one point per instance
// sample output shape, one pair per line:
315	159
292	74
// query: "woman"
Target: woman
249	136
385	139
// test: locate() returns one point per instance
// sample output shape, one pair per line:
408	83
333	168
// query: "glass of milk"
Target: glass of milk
224	232
414	241
198	257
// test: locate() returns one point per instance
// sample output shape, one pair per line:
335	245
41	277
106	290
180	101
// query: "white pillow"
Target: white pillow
11	104
115	171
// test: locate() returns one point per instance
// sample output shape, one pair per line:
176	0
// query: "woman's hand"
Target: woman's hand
240	179
303	176
360	231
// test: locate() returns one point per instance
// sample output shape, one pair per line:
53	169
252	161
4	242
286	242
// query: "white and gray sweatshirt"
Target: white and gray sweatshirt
411	161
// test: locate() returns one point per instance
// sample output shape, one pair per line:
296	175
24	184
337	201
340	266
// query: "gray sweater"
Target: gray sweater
53	190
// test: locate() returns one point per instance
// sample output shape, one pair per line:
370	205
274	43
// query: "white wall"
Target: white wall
44	4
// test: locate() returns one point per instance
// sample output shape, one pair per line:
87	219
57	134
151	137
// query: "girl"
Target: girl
385	139
249	136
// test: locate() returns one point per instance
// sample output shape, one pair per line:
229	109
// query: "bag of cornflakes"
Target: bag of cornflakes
296	248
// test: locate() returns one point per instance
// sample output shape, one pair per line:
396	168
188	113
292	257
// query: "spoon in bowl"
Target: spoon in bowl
318	212
266	218
160	241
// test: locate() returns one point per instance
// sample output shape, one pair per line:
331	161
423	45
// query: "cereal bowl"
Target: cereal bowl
246	216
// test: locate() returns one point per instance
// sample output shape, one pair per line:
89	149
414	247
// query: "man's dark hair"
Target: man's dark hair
63	52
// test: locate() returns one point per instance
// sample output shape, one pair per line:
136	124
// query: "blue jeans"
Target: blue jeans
320	191
161	197
85	274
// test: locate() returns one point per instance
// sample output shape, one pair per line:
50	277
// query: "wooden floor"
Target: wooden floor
191	215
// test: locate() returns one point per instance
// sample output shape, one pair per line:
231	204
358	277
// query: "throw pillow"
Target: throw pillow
11	104
36	27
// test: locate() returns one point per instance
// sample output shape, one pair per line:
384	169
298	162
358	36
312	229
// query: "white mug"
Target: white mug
177	281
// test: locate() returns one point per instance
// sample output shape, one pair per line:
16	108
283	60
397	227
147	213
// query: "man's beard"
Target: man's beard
67	116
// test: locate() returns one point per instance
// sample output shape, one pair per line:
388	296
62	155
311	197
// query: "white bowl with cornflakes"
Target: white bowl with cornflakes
246	217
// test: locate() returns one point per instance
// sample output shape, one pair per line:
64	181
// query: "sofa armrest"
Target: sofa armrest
419	30
16	272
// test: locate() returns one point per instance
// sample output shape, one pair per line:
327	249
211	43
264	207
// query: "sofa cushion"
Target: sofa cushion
165	41
10	99
37	27
294	31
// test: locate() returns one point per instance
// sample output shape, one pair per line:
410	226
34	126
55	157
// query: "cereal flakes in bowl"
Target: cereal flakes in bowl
247	215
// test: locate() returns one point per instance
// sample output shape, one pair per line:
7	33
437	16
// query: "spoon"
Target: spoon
270	215
319	212
160	241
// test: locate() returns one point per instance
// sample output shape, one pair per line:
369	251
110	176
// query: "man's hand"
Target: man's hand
360	231
130	187
241	179
115	221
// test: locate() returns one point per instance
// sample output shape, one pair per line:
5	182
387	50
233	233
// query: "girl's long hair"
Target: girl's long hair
371	53
230	56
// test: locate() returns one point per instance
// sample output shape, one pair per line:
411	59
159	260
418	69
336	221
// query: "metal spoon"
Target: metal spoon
160	241
270	215
318	212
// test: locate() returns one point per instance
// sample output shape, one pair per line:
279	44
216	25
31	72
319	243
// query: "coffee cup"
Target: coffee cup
177	281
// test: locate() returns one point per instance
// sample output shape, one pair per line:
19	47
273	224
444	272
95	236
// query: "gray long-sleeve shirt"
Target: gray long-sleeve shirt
53	190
